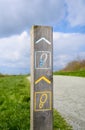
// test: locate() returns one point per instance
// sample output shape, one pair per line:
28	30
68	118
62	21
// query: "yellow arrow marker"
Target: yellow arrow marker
43	78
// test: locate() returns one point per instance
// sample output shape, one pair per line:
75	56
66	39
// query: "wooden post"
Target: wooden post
41	78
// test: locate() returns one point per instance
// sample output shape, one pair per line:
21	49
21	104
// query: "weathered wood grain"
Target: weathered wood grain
41	78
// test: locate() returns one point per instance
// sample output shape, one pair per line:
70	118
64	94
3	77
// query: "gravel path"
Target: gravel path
69	99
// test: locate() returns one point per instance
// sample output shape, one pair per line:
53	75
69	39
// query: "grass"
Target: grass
73	68
79	73
15	105
59	122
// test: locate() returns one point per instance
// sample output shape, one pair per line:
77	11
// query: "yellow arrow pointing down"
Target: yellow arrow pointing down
43	78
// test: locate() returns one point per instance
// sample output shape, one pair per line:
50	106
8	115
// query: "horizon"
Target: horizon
16	20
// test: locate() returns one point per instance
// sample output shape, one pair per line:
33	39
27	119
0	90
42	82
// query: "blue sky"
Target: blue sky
67	17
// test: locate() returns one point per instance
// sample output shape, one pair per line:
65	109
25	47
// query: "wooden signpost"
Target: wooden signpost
41	78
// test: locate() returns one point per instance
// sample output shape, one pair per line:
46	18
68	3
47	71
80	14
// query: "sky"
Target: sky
67	17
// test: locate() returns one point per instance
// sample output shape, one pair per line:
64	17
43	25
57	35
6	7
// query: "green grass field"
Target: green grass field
15	105
73	68
79	73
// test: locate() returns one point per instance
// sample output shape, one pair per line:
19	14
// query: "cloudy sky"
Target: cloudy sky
67	17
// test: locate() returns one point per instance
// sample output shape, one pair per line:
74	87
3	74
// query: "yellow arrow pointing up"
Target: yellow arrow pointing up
43	78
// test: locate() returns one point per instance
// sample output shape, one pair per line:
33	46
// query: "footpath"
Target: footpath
69	99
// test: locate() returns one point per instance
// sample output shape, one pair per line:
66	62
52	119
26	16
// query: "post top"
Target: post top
37	26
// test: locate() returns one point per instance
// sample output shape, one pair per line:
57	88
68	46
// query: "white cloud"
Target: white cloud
76	12
68	40
14	51
67	47
18	15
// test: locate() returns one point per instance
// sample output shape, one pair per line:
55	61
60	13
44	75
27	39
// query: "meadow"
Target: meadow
15	105
78	73
73	68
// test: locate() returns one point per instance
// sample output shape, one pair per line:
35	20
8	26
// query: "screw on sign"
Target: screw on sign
41	95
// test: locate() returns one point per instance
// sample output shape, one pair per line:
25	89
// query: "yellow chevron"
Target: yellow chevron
43	78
